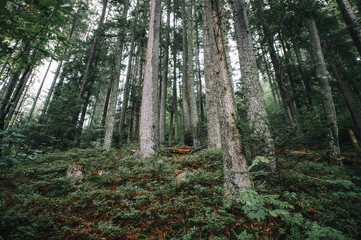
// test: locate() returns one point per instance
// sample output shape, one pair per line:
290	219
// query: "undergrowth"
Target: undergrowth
124	198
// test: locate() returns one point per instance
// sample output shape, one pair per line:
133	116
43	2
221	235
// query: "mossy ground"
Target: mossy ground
124	198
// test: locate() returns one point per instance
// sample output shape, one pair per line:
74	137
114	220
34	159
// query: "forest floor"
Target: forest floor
120	197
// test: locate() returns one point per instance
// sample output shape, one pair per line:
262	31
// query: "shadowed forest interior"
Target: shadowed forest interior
188	119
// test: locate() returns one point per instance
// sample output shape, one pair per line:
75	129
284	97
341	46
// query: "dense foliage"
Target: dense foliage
124	198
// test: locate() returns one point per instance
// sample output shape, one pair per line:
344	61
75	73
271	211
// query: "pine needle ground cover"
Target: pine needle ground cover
121	197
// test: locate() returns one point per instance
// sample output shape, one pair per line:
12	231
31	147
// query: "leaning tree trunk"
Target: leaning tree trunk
288	106
149	118
5	98
17	95
346	90
86	78
236	177
23	98
263	143
58	69
163	97
323	78
295	84
352	23
11	105
285	96
302	71
270	78
39	91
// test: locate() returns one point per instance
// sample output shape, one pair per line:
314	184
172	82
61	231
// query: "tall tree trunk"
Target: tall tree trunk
86	79
291	78
58	69
351	102
17	95
106	105
185	87
23	99
274	91
175	98
137	86
199	76
39	91
286	99
305	80
352	23
163	98
288	106
256	111
79	131
133	96
323	78
11	105
236	176
129	71
149	118
115	75
213	127
5	98
190	77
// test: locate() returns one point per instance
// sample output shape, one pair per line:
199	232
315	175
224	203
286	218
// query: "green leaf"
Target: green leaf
48	3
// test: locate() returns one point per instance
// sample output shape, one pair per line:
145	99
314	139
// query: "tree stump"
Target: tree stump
180	176
76	172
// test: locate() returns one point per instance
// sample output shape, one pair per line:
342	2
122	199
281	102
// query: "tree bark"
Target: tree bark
5	98
236	176
17	95
287	103
163	98
323	78
86	80
115	75
213	127
190	77
129	71
39	91
185	87
22	99
149	119
292	80
256	111
58	69
346	90
199	75
274	91
352	23
305	80
175	98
